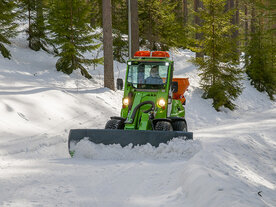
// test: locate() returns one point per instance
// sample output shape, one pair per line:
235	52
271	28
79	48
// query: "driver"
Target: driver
154	77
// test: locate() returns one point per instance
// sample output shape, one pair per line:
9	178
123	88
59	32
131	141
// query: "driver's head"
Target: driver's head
154	71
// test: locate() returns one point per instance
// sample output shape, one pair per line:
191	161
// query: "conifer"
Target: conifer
120	29
38	37
219	72
73	36
34	11
260	51
159	27
7	25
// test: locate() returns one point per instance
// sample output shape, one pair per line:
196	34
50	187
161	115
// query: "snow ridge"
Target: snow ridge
176	149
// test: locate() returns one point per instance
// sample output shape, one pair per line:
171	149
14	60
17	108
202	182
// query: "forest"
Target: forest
229	37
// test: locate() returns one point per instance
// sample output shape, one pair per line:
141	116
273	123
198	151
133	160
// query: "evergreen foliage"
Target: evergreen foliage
158	25
7	25
261	53
96	13
38	37
71	32
119	25
34	11
70	27
219	72
120	30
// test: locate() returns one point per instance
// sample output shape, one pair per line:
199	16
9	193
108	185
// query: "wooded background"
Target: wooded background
223	33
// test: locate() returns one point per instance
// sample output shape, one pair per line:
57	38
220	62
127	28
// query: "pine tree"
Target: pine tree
158	25
34	11
260	50
161	25
181	29
71	33
7	25
185	11
119	25
120	29
27	8
198	22
219	72
96	13
233	6
38	38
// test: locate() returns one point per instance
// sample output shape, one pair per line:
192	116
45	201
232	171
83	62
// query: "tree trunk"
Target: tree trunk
246	24
246	33
253	20
236	32
231	6
185	12
237	18
30	26
198	4
107	45
237	12
134	27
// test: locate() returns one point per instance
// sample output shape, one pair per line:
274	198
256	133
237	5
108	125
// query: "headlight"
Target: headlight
161	103
125	101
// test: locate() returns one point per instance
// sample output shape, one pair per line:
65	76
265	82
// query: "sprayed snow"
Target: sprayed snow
176	149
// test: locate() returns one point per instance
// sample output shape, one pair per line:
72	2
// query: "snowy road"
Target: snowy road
228	163
231	162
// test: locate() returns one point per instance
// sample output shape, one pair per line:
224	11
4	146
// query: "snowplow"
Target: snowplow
152	106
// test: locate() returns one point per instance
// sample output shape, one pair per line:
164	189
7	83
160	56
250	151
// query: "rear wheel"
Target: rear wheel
163	126
179	125
115	124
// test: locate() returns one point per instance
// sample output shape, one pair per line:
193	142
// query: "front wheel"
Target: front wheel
115	124
163	126
180	125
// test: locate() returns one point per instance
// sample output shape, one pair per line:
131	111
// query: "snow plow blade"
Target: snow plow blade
124	137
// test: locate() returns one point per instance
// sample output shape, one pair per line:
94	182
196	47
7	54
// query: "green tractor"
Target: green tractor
152	106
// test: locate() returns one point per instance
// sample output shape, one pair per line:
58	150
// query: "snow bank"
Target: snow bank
176	149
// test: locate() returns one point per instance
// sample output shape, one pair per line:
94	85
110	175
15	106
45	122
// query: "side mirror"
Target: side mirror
174	86
120	83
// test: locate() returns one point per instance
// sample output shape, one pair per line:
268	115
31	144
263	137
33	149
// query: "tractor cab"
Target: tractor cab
148	70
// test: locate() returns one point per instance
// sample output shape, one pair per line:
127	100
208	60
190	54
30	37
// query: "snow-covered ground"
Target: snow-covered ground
231	161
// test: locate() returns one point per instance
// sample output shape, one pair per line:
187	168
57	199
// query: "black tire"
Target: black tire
163	126
115	124
179	125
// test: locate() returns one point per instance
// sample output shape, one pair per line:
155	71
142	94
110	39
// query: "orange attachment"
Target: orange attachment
142	54
183	84
160	54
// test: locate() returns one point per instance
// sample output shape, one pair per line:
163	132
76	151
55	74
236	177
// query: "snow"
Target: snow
177	149
230	162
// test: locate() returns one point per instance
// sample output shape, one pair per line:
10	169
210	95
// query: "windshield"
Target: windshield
148	75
